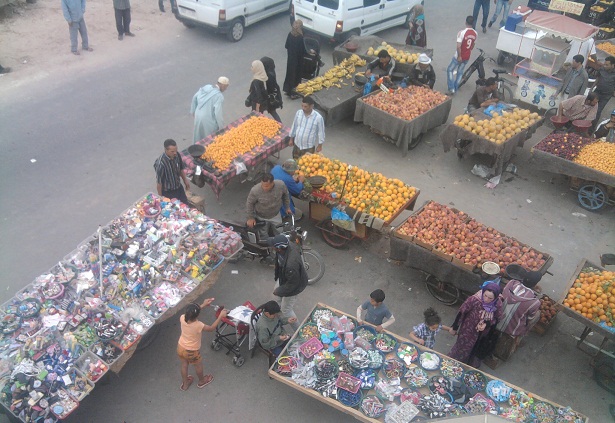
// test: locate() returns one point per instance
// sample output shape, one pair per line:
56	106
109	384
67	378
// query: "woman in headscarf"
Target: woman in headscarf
476	319
417	36
258	98
296	50
273	89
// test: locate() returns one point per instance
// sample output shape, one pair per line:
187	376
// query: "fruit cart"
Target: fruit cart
366	47
404	115
465	135
216	160
385	377
594	188
369	200
577	302
450	248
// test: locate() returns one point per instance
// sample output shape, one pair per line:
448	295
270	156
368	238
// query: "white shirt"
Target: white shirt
308	131
585	49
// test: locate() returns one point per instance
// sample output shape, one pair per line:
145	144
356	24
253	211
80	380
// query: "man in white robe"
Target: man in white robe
207	109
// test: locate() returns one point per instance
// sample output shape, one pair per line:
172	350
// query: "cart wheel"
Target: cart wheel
592	196
215	345
238	361
314	265
415	141
333	235
505	94
604	373
442	291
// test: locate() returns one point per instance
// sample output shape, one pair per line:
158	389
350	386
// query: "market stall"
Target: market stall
361	199
451	248
384	377
366	48
588	163
240	149
62	333
404	115
478	133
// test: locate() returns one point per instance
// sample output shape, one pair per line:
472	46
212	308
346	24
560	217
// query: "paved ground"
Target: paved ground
95	127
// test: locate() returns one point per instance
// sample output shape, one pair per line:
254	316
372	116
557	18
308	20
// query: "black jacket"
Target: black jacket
290	274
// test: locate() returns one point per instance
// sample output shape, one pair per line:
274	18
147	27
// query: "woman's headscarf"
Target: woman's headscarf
258	71
297	29
493	287
269	64
418	11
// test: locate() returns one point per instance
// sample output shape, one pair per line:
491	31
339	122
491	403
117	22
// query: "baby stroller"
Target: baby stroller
310	68
231	334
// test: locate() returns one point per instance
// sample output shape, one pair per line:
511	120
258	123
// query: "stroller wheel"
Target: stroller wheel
215	345
238	361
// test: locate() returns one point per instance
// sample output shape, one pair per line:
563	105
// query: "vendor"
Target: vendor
606	129
580	107
384	65
575	81
484	96
287	173
270	327
422	74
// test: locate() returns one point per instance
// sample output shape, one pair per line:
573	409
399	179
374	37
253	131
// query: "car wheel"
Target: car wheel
236	31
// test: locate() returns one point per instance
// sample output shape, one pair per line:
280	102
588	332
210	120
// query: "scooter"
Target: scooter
253	247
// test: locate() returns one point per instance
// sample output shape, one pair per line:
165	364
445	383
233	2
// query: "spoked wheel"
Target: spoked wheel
314	266
592	196
333	235
505	94
238	361
442	291
415	141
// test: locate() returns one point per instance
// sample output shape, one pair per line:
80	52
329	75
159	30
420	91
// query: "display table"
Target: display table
401	131
401	69
337	104
403	378
501	153
218	179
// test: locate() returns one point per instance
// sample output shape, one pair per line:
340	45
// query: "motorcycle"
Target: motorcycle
254	248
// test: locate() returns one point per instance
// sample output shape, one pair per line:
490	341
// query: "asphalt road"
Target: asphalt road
95	137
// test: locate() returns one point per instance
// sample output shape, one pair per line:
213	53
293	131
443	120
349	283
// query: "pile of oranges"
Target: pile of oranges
239	140
599	156
371	193
593	296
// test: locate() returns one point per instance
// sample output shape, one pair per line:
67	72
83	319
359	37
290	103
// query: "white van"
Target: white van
340	19
229	17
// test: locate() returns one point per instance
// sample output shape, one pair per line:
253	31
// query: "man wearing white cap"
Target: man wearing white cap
207	109
423	74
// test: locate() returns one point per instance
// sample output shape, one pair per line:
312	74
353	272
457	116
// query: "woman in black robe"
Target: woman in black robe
296	50
273	89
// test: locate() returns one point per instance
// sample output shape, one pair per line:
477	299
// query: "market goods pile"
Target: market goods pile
334	77
370	375
454	233
371	193
64	331
589	152
400	55
607	47
499	128
406	103
593	295
239	140
548	309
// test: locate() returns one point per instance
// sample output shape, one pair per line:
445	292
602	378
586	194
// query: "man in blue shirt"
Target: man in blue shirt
375	311
73	11
287	174
308	130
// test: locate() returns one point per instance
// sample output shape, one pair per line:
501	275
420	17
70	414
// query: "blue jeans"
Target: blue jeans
501	5
79	27
452	80
477	5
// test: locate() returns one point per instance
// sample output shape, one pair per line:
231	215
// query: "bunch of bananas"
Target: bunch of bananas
333	77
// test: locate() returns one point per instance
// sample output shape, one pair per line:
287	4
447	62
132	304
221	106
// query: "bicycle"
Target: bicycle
504	93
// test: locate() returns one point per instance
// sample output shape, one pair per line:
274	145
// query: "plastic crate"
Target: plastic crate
88	358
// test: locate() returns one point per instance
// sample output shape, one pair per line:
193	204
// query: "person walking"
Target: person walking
290	276
274	94
501	6
417	35
73	11
169	173
173	6
207	109
258	98
295	49
466	38
308	130
122	18
189	344
478	4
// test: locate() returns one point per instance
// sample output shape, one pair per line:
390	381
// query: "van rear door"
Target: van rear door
304	10
202	11
373	11
328	13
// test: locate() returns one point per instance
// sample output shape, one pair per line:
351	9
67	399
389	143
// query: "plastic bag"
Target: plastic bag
240	167
341	219
498	108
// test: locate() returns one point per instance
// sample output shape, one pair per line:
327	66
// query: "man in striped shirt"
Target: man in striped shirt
308	130
169	169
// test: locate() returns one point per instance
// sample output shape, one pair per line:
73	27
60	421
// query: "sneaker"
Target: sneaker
120	37
490	24
450	93
484	30
129	34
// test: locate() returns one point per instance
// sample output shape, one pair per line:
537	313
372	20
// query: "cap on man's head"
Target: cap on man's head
290	165
278	241
223	80
424	59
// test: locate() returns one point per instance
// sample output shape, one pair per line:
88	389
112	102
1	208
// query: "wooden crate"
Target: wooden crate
442	255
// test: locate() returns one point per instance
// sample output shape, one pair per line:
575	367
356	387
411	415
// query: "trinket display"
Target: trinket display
348	382
388	389
311	347
498	390
480	404
64	404
367	378
108	329
285	365
475	380
416	377
372	406
439	385
429	360
411	395
349	399
519	399
91	366
403	413
543	412
309	330
451	368
326	369
365	332
394	369
375	359
79	386
127	340
385	343
106	351
435	406
358	358
408	353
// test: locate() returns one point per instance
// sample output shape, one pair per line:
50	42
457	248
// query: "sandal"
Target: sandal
208	380
190	379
